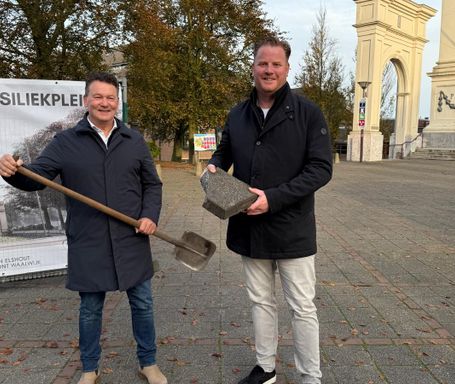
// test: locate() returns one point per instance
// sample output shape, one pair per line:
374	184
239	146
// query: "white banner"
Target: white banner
32	223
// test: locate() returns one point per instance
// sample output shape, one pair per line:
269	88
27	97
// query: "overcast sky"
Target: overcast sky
297	17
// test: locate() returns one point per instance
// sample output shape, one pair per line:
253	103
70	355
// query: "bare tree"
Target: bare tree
28	149
321	79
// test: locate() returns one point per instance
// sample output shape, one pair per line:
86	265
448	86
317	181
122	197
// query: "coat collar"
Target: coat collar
282	108
84	127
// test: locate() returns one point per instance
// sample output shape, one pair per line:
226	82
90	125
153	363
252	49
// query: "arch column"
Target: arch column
440	134
396	150
387	30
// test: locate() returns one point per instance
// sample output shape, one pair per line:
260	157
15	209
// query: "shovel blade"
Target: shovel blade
199	258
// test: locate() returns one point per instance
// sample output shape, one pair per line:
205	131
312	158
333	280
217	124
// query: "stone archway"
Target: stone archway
387	30
402	100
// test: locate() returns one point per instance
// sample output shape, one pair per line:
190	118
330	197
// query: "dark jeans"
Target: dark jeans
90	318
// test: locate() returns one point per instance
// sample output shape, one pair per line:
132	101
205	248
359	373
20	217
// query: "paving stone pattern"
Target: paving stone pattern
385	292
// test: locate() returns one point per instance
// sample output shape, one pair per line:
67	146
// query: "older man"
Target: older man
103	159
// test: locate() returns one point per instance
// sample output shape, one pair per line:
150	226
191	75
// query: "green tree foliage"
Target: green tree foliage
48	39
322	76
189	62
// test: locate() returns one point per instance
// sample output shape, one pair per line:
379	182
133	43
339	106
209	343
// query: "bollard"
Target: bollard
158	170
336	158
199	168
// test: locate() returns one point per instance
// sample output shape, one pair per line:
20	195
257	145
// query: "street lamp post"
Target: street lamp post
362	113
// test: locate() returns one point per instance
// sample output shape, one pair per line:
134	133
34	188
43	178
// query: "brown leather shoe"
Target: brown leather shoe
89	378
153	374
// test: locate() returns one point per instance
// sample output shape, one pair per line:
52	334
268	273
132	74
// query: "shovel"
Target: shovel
192	250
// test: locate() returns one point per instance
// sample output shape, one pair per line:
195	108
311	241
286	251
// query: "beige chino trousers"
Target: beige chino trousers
298	280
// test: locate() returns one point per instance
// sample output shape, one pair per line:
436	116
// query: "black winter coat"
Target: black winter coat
104	254
289	157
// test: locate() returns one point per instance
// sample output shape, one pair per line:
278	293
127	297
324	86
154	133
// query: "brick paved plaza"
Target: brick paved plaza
385	292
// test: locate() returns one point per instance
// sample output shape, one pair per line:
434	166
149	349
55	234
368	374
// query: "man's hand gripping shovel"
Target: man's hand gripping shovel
192	250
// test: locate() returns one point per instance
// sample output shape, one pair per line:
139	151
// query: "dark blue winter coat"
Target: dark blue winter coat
288	155
104	254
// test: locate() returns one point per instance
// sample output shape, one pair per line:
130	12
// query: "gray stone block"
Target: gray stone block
225	195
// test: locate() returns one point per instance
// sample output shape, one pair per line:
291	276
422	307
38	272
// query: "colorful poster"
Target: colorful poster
204	142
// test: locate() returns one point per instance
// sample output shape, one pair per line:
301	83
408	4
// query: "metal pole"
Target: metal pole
361	144
362	127
362	118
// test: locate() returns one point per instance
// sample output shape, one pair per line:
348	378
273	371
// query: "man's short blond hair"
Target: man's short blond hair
274	42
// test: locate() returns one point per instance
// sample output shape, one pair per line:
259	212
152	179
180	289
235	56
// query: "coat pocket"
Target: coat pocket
288	233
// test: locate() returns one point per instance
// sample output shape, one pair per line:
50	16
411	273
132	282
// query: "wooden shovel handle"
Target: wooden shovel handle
77	196
101	207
